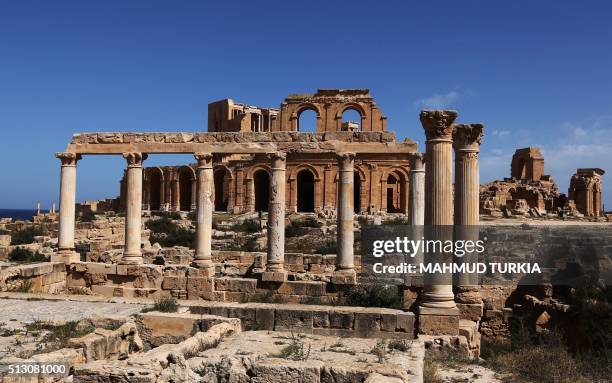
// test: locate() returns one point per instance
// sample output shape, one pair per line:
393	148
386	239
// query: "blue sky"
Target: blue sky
534	72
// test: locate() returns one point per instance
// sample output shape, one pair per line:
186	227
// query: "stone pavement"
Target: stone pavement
26	311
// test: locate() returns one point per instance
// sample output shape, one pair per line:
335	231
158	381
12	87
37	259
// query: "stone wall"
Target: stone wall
49	277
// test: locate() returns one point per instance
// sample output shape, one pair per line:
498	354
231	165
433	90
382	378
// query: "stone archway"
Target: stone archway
155	189
261	181
392	194
221	180
305	191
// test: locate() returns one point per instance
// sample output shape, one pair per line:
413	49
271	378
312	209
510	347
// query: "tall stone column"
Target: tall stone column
345	264
66	252
204	213
438	312
176	193
194	191
466	141
276	220
133	216
417	190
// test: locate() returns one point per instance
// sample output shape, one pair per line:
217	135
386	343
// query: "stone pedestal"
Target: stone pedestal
276	221
204	214
66	252
438	125
438	321
132	254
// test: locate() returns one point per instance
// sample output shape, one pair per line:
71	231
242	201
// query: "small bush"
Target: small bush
20	254
306	222
247	226
162	225
192	216
24	287
87	216
372	295
296	350
328	247
291	231
164	305
399	344
26	236
380	350
59	334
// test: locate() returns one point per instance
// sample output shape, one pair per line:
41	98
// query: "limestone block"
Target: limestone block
367	324
5	240
162	328
293	319
309	288
273	276
320	318
247	316
264	315
471	312
35	269
200	287
388	322
101	268
438	321
405	322
174	283
236	284
282	371
341	319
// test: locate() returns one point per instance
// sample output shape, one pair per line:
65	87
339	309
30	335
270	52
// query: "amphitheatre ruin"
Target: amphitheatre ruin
247	264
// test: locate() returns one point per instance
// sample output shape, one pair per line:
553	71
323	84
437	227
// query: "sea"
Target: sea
17	214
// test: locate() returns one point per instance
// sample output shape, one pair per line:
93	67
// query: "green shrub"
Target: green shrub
179	237
20	254
291	231
329	246
296	350
165	305
306	222
87	216
162	225
192	215
24	287
371	295
58	334
26	235
248	226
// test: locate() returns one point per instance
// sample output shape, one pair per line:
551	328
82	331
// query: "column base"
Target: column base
274	276
130	259
66	256
344	277
438	321
206	267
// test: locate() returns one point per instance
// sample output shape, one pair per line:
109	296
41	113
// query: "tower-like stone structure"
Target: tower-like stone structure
585	190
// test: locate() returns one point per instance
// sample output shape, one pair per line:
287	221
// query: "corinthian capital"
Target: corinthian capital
134	159
345	159
467	135
68	159
204	159
438	124
282	156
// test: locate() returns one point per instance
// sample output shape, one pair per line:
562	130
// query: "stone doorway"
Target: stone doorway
221	190
261	180
155	185
357	192
305	191
393	188
185	181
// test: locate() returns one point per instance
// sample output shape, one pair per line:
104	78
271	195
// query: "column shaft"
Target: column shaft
437	288
417	191
345	234
276	215
204	212
66	251
133	216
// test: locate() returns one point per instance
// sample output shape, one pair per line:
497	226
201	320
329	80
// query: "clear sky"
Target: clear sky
535	73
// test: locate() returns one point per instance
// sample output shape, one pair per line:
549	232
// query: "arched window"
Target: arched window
185	180
221	190
261	180
307	121
351	120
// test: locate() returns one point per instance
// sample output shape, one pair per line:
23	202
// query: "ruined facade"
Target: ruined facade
527	188
585	191
242	180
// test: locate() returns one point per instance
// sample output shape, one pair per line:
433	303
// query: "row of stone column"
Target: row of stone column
442	135
204	212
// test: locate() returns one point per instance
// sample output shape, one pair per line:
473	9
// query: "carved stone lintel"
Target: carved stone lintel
204	159
68	159
466	135
135	159
438	124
